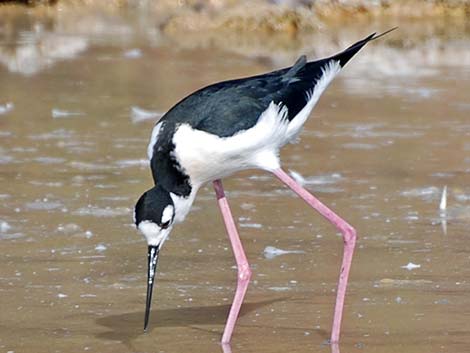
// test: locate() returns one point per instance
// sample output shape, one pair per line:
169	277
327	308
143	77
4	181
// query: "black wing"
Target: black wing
228	107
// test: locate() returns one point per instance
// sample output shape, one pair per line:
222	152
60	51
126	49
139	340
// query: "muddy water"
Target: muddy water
379	150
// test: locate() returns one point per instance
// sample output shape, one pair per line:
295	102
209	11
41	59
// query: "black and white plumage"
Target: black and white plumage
235	125
224	128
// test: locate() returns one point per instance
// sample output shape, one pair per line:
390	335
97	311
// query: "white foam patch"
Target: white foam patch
411	266
4	159
271	252
251	225
96	211
44	204
4	226
316	180
426	193
101	247
279	289
49	160
53	184
60	134
133	53
90	166
128	163
359	146
463	197
6	108
139	114
69	228
61	113
10	236
115	198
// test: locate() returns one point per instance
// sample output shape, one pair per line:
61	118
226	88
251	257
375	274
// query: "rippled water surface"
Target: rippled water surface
76	113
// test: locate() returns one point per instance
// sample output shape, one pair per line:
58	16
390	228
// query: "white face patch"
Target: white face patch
167	214
153	233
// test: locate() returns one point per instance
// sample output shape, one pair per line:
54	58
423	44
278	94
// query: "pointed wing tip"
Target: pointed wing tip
348	53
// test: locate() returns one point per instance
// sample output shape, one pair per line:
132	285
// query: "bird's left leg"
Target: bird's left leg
244	271
349	239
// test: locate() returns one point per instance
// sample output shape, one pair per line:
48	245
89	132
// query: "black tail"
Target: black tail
348	53
303	76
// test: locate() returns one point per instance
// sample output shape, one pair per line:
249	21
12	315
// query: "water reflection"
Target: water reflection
31	45
73	160
34	41
227	348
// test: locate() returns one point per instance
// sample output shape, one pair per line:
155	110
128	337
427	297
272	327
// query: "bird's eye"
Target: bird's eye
165	225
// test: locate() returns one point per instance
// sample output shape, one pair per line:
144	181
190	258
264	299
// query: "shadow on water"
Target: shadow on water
129	326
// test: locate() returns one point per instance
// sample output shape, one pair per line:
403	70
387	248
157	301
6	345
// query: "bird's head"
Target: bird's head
154	215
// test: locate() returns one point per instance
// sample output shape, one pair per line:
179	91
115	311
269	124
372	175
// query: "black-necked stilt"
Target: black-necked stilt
228	127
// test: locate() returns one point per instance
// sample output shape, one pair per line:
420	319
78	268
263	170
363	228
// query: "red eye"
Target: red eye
165	225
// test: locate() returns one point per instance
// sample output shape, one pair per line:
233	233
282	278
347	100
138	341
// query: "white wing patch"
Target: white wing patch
329	73
153	140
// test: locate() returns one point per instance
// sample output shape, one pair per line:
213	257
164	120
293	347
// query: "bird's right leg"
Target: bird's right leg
244	271
349	240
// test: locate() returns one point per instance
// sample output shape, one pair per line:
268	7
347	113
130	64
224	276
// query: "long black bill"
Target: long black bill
152	267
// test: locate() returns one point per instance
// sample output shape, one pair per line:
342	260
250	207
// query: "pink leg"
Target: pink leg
349	238
244	271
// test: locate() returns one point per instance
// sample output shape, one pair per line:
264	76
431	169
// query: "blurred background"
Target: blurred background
83	82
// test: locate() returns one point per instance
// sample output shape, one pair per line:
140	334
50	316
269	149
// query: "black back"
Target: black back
228	107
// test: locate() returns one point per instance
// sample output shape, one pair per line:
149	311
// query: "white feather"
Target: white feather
206	157
153	233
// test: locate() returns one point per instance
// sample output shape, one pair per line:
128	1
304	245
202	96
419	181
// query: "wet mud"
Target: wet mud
385	139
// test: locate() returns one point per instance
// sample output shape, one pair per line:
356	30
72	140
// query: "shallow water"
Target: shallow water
378	149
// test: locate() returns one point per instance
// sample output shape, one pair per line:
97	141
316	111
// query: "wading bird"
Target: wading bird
224	128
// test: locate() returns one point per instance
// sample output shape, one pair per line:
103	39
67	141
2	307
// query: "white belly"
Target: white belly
206	157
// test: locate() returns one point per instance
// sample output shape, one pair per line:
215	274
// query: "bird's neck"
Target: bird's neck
183	204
